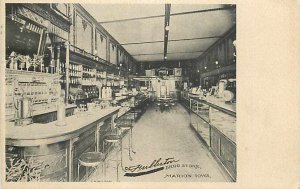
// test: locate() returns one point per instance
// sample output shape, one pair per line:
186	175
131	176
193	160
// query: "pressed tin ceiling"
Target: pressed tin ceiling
189	35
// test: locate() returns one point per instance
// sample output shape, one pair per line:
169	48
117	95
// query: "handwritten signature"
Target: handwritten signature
155	163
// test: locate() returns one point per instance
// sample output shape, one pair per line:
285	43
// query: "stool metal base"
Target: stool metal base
114	138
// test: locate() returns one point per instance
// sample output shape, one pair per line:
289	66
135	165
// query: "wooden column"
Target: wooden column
70	160
107	50
58	60
97	135
67	66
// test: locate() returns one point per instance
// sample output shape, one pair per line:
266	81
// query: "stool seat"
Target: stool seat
91	159
112	138
125	126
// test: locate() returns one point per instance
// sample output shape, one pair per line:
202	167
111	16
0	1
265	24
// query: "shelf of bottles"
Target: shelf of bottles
88	76
100	77
91	91
62	72
116	82
109	80
75	74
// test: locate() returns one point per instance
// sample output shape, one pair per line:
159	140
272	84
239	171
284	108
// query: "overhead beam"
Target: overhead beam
166	29
168	53
174	14
144	42
170	40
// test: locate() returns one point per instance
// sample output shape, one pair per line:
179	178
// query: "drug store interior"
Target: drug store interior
120	93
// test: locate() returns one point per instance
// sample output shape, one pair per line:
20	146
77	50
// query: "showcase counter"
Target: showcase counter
214	121
57	148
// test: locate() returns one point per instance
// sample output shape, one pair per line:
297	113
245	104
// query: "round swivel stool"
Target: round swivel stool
91	159
114	139
173	104
167	106
125	127
158	104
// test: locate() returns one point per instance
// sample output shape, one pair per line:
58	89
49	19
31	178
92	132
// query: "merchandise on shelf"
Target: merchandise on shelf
91	91
42	89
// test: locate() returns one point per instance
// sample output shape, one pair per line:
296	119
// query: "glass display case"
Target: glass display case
214	122
201	127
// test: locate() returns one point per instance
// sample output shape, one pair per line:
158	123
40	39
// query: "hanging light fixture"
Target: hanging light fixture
48	40
167	28
234	44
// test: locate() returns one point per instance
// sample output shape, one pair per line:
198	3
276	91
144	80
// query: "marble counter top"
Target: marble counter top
36	133
216	103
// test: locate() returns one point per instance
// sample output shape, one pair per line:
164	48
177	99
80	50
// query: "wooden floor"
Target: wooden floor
161	135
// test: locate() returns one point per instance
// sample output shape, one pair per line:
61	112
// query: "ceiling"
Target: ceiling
190	34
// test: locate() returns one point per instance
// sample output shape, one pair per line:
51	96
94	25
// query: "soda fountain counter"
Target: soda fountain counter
214	122
52	151
139	104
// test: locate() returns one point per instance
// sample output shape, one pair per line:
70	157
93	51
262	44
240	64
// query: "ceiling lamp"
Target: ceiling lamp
234	43
167	28
217	62
48	40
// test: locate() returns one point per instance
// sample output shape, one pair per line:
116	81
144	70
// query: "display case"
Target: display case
214	121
